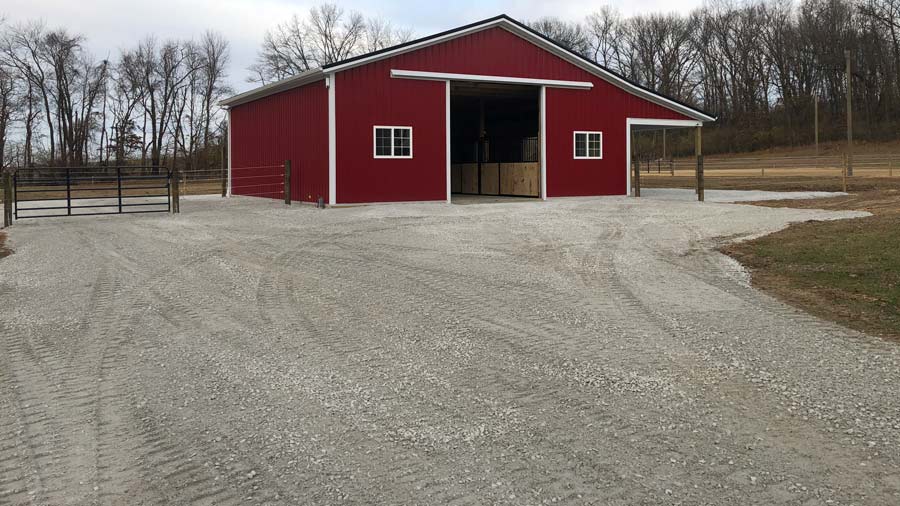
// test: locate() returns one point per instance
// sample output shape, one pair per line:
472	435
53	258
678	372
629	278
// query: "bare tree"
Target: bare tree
328	34
572	36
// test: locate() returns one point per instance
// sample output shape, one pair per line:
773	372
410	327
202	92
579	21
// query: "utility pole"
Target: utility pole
849	116
816	122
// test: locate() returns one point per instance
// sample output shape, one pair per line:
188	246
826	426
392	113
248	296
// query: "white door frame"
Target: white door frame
662	123
542	135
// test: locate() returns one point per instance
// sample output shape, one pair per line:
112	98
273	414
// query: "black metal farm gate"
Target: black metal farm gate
43	192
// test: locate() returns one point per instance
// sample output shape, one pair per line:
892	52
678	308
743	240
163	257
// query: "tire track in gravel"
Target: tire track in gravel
425	398
509	384
781	431
56	388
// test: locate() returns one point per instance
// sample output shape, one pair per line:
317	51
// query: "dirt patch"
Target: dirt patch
4	251
846	271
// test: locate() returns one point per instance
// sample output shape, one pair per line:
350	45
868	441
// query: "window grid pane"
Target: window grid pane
401	142
383	142
594	145
580	145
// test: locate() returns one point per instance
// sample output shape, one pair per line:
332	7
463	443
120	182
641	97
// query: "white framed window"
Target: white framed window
588	145
392	141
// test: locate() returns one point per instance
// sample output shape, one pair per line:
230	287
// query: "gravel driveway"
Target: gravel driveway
578	351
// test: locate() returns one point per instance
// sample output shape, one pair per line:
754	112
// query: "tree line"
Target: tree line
760	66
150	104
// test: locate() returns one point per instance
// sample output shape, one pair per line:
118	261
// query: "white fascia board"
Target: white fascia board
673	123
478	78
307	77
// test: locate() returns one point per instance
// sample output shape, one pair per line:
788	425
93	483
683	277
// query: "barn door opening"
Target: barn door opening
495	139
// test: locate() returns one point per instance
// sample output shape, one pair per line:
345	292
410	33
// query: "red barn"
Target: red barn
492	108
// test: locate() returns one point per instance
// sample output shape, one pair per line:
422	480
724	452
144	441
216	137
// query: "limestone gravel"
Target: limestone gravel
581	351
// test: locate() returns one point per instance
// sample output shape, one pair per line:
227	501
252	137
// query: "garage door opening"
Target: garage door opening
495	140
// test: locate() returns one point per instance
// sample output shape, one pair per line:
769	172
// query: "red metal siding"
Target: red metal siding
368	96
291	125
365	98
603	108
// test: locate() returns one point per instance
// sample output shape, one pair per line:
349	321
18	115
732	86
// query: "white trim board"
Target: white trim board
447	127
674	123
228	125
668	123
543	133
479	78
332	143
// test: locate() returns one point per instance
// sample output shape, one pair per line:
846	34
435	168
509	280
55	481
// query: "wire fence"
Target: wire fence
863	165
259	181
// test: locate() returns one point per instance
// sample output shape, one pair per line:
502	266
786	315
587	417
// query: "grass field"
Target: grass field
846	271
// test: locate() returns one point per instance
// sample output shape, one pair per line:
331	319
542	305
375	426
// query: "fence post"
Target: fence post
637	180
7	200
700	182
287	182
174	177
119	186
68	191
672	166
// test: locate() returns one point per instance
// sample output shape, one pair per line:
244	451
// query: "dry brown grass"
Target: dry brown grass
792	182
846	271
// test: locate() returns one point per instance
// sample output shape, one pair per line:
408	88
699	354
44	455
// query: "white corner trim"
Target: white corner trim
447	128
628	156
228	125
543	127
332	143
479	78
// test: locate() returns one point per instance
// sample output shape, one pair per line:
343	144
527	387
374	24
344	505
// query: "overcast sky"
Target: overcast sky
113	24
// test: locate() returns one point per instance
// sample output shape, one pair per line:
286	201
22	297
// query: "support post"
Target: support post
176	191
849	171
816	123
637	179
664	143
636	168
7	200
699	150
287	182
68	191
119	186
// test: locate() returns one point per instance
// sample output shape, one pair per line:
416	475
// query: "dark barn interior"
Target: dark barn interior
495	139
